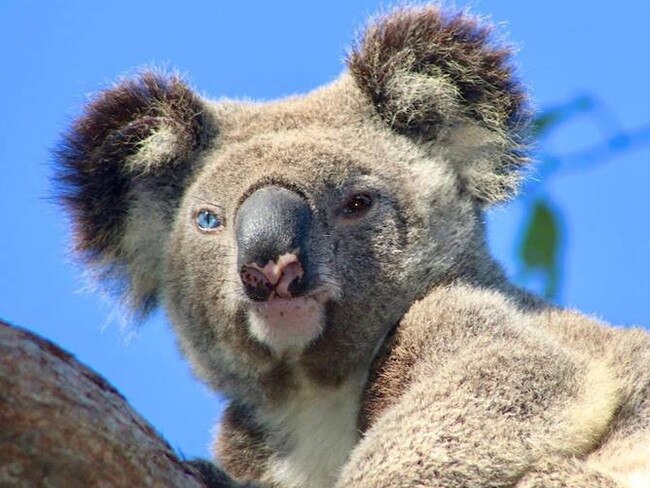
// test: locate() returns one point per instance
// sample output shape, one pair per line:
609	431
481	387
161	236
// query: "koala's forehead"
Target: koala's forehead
339	104
307	151
312	153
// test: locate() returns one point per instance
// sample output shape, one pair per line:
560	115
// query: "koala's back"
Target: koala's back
594	379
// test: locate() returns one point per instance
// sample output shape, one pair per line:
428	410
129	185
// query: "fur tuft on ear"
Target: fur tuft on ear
440	77
122	169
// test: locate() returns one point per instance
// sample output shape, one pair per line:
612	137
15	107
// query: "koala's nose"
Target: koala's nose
283	277
272	230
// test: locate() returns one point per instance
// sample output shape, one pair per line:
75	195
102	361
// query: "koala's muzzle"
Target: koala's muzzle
272	229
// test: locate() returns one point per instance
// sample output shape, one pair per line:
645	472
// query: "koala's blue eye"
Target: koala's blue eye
207	220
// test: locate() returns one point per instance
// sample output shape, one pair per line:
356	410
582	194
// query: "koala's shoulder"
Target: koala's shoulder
451	316
439	325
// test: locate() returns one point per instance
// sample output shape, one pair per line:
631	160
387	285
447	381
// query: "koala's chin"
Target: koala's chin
287	325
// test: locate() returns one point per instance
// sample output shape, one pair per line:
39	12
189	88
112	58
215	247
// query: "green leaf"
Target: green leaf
539	248
553	117
544	122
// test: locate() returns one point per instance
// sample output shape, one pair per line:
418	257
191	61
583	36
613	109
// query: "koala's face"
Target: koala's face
297	233
293	229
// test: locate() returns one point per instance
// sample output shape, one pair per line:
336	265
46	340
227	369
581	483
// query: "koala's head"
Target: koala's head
298	232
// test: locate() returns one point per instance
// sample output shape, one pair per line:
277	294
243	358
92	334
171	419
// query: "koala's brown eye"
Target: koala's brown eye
357	204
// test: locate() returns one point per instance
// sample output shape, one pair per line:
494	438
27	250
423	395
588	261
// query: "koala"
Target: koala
323	261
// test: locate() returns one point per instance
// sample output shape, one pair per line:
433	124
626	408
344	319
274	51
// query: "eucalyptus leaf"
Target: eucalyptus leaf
540	245
552	117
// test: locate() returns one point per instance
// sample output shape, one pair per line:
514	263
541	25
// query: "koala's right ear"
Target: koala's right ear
123	168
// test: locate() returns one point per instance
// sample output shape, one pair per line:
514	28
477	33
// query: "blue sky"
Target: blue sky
58	52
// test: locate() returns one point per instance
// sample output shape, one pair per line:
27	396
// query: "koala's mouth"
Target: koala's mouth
288	324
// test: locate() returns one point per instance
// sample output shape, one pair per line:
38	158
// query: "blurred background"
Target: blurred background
579	234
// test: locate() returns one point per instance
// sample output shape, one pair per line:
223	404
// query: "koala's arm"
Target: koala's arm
489	404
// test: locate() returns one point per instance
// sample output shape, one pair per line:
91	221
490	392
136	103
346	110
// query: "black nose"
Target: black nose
272	228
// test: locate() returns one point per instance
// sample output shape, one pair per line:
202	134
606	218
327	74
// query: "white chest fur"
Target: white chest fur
321	427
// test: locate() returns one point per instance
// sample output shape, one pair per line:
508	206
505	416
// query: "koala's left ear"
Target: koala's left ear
123	168
442	80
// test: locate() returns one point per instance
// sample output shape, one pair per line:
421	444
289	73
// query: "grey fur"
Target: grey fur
430	368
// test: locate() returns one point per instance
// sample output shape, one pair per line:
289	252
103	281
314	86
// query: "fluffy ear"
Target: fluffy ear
444	81
122	169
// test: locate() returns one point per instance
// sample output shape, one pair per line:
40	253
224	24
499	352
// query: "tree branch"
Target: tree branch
62	425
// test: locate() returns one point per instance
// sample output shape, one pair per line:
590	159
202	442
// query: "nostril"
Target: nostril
253	277
257	285
291	276
285	278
